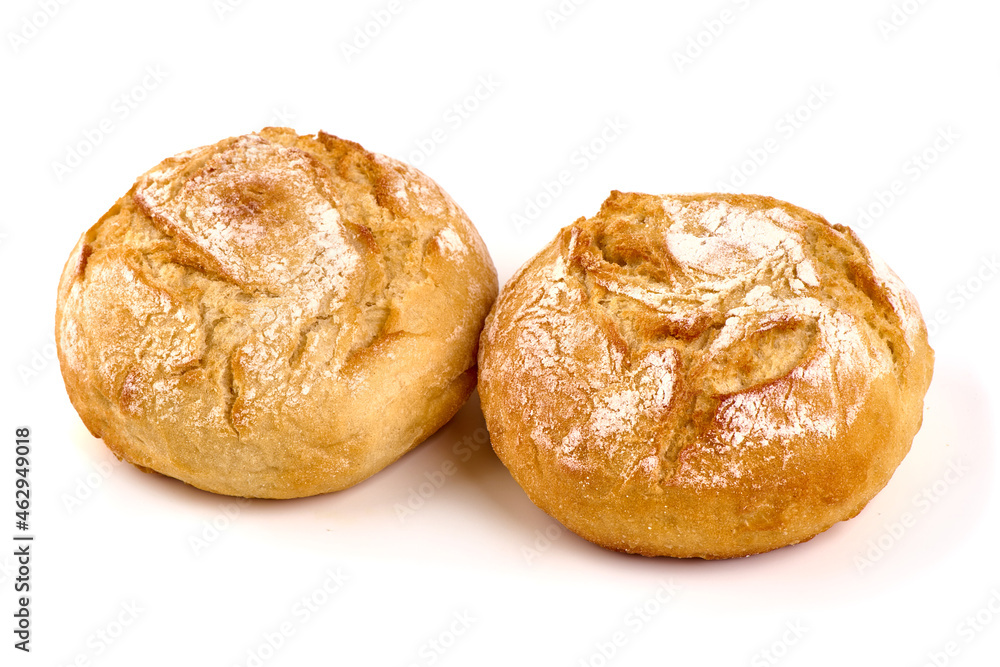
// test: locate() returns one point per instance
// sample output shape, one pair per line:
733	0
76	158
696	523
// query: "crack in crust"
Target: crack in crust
253	209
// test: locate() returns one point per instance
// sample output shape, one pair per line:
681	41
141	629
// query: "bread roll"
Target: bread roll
703	375
273	316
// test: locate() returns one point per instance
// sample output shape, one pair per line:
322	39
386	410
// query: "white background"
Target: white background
115	546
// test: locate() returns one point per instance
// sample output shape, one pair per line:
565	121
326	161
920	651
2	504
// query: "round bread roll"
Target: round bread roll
703	375
273	316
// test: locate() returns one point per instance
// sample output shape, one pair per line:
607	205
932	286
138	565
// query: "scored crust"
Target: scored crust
703	375
274	315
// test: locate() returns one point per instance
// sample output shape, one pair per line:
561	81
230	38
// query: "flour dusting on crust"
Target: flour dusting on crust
258	305
632	315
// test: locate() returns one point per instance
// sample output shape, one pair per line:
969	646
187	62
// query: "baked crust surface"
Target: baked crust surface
274	315
703	375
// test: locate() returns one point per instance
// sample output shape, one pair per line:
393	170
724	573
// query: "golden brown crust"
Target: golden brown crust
703	375
274	315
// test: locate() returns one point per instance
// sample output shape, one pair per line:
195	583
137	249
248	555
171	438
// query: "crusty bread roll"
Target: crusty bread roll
273	316
703	375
